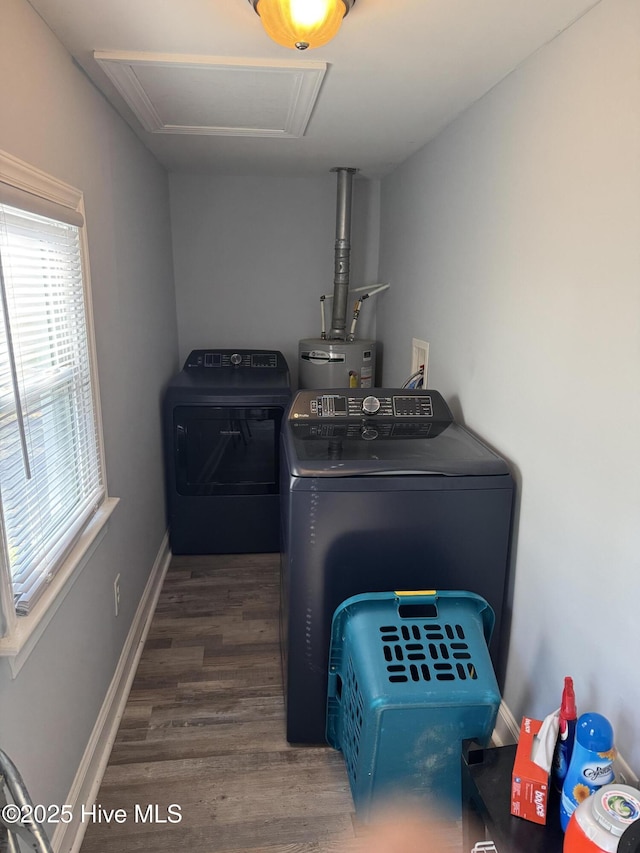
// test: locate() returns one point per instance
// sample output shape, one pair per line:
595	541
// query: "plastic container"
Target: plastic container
599	821
591	764
410	677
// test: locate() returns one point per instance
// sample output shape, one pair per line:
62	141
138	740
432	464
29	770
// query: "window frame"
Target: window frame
19	635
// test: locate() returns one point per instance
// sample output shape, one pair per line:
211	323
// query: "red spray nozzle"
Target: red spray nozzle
568	706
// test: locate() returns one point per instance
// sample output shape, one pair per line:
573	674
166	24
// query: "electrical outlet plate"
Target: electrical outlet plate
116	594
419	357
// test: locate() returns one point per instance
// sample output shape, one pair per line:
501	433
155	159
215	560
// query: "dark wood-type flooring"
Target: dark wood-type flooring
203	729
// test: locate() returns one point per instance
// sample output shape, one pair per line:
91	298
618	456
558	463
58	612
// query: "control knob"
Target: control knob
236	359
370	405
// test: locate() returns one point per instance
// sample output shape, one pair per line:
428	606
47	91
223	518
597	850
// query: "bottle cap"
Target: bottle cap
616	807
594	732
568	707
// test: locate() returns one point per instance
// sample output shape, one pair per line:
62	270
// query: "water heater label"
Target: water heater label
321	357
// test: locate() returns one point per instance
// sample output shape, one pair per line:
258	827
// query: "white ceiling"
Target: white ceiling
396	74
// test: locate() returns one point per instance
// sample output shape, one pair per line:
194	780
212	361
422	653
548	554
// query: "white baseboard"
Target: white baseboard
67	838
624	773
507	729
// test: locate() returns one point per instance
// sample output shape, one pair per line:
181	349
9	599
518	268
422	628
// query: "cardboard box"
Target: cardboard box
529	783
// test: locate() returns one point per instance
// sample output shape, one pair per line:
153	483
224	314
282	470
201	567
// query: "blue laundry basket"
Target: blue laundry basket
410	678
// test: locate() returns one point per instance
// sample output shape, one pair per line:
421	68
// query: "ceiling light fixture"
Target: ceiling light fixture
302	23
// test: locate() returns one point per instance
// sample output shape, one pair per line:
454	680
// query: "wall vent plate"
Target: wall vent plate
212	95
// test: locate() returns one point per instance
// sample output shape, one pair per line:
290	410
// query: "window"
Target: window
51	470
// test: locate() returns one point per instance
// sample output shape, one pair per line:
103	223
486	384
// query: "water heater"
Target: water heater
336	364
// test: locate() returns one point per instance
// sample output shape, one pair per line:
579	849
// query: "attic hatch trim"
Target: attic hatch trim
299	83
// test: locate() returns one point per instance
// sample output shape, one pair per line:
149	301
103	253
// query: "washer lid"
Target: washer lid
388	448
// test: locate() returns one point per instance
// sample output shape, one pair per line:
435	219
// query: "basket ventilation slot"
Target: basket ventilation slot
353	704
427	651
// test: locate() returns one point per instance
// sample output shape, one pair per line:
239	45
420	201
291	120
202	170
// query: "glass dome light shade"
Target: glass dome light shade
301	24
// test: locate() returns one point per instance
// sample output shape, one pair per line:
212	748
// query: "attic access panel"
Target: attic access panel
218	96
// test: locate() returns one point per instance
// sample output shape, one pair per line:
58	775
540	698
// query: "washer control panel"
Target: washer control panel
256	359
370	404
365	431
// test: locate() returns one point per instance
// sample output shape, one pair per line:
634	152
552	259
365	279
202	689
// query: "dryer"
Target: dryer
381	490
222	416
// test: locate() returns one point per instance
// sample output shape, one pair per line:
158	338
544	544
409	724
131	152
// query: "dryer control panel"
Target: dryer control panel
228	358
384	404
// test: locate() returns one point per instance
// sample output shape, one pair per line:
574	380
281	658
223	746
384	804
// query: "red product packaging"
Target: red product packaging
529	782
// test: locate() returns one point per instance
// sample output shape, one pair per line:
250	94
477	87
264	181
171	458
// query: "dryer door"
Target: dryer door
226	450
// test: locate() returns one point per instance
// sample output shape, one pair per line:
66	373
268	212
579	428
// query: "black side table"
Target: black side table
486	802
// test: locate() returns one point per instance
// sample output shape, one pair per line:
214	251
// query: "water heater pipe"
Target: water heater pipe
342	252
372	290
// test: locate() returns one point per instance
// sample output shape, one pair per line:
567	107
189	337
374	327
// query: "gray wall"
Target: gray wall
54	119
254	254
514	243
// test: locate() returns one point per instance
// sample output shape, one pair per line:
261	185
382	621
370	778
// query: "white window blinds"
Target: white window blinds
51	477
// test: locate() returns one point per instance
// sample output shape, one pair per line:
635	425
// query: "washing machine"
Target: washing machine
381	490
222	416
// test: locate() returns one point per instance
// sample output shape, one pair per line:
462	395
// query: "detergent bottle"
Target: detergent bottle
566	734
591	764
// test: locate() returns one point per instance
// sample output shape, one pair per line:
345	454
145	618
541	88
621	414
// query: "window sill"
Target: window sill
27	630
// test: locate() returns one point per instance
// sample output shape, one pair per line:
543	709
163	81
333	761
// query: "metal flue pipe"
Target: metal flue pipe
342	253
